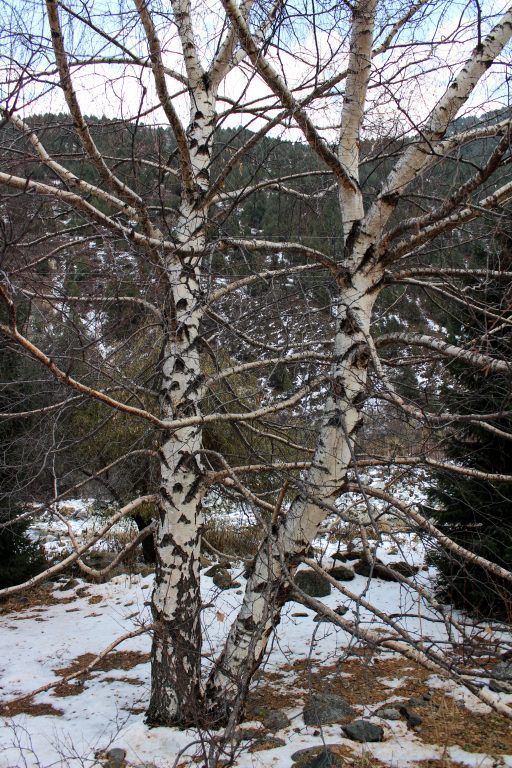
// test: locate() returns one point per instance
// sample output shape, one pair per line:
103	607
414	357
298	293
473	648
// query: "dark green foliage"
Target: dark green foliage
20	558
476	513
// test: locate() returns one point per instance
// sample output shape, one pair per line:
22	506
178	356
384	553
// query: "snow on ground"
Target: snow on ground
108	710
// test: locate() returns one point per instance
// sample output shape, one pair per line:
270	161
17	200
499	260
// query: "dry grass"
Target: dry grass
37	597
447	722
27	706
116	660
442	762
233	540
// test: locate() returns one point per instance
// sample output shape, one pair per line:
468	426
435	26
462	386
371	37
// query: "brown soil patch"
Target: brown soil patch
95	599
265	697
27	706
70	688
358	680
40	595
447	722
443	762
129	680
114	660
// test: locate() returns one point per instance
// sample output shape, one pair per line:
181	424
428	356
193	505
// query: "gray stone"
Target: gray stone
376	570
214	569
342	573
388	713
412	717
417	701
116	758
363	730
317	757
404	569
222	579
312	583
503	671
266	742
275	720
70	584
340	556
323	708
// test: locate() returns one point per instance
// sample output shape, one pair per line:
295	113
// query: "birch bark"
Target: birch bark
359	280
176	602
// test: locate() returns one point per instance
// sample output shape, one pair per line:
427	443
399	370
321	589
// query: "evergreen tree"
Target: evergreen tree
474	512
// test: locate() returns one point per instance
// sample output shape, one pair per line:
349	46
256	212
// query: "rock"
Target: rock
503	671
70	584
417	701
214	569
363	730
340	556
324	708
317	757
222	579
249	733
99	560
412	717
312	583
342	573
116	758
388	713
354	554
376	570
275	720
267	742
405	569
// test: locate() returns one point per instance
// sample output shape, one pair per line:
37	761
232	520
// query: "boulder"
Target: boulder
223	580
412	717
503	681
275	720
324	708
404	569
317	757
116	758
388	713
312	583
363	730
266	742
342	573
339	556
376	570
213	570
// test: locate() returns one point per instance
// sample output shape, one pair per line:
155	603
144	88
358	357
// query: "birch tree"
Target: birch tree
197	69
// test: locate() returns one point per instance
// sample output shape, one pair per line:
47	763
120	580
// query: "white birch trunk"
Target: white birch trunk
357	290
266	586
176	603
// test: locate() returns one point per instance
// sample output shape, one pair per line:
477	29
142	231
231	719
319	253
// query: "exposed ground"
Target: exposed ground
57	630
